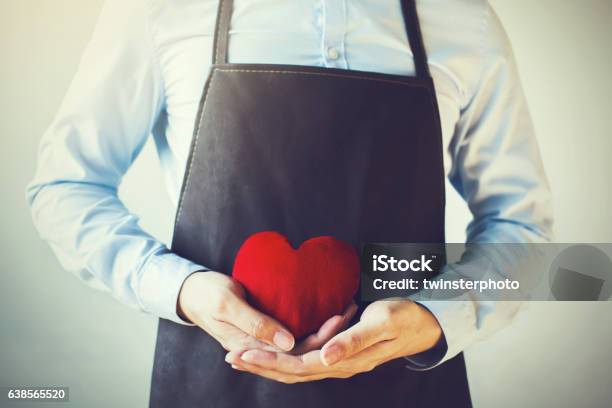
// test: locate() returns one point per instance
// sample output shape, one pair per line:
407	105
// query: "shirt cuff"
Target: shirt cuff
430	358
161	282
457	318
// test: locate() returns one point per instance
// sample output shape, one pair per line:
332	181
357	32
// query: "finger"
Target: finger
258	325
268	365
316	340
285	363
232	338
288	378
306	364
351	341
369	358
262	372
330	328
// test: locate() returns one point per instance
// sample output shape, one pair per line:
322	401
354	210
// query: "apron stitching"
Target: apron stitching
195	147
322	74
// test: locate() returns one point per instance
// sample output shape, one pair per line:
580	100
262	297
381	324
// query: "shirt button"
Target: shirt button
332	53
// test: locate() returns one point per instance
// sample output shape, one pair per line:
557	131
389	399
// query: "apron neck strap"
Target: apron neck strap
415	38
220	42
411	23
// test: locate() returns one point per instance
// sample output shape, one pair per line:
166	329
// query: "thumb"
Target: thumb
259	325
350	342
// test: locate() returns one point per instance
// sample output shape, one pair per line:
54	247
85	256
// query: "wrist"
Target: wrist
182	299
429	329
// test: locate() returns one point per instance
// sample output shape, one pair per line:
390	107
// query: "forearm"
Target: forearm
106	117
476	315
98	239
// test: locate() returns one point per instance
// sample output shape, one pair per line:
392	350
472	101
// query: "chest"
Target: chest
359	35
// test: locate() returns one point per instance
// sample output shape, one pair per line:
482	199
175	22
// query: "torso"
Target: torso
369	35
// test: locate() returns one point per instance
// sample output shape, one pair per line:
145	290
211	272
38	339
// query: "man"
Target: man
144	71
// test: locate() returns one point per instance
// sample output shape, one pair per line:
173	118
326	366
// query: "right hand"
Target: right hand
216	303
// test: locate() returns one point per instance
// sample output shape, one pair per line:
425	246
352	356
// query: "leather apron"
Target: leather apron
306	151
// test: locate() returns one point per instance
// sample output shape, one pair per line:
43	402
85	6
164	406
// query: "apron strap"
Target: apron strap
220	42
411	23
415	38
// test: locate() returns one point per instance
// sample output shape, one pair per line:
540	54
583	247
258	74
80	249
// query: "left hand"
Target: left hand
388	329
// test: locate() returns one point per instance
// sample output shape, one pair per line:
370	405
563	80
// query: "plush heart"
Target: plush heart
300	288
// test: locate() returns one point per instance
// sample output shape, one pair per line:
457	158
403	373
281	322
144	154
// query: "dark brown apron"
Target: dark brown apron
306	151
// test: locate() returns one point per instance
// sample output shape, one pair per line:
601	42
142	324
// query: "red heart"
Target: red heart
300	288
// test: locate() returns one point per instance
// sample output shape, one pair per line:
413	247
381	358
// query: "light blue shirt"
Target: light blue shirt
142	75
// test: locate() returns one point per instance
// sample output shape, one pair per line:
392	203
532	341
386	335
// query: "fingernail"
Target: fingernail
332	354
249	356
283	340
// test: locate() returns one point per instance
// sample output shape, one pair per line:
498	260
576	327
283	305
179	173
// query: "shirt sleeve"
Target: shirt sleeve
497	169
105	118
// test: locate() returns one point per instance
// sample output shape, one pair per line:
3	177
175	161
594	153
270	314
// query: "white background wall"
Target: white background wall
55	331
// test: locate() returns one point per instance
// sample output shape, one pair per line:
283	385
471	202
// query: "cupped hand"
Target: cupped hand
216	303
387	330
